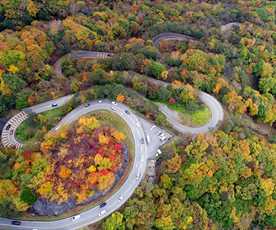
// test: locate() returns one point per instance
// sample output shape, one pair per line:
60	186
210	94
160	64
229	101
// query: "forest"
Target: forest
238	67
221	180
217	181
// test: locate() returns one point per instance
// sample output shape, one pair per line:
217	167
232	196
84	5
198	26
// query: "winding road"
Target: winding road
214	106
9	130
168	36
135	176
146	137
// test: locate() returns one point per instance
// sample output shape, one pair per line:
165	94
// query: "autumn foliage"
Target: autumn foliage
85	160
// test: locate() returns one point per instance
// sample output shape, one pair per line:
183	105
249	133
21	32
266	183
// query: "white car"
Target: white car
120	197
113	108
100	101
102	212
159	151
75	218
163	138
148	139
138	176
114	103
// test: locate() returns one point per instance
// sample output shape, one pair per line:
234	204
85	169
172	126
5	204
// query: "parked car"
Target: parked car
54	105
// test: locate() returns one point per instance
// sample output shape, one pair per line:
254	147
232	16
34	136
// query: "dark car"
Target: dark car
16	222
8	126
127	112
54	105
102	205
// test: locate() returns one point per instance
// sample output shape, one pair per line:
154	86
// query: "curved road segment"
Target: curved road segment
168	36
227	27
119	197
9	130
138	126
210	101
214	106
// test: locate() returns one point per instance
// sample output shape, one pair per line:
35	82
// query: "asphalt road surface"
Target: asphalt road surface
9	130
140	129
167	36
216	116
211	102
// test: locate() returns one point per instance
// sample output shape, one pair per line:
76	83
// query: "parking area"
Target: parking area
155	137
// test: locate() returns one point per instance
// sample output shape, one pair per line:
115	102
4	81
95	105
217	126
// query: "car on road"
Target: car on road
102	204
127	112
113	108
148	139
16	222
138	176
142	141
8	127
75	218
102	213
11	132
100	101
86	105
114	103
159	152
120	198
54	105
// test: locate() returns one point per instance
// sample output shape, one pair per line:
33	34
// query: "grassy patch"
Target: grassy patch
33	128
27	130
198	117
